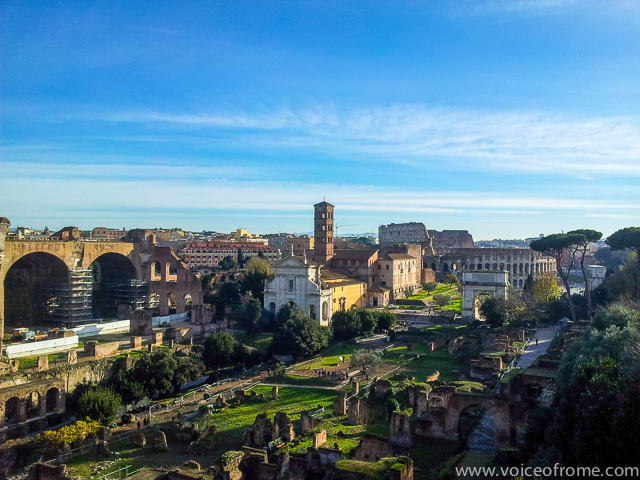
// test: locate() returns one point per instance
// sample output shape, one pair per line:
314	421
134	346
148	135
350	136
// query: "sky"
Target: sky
508	119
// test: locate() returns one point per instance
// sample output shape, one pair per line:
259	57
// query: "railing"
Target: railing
127	473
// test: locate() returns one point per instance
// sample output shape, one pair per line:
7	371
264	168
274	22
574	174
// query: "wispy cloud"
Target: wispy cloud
419	135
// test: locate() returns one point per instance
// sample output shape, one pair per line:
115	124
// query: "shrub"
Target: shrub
72	433
101	404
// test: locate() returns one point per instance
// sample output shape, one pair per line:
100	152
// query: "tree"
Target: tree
257	271
451	279
493	310
367	320
100	403
189	368
219	350
241	259
442	299
429	287
125	385
557	245
252	315
588	237
229	292
628	238
227	263
386	319
300	336
366	360
545	288
346	325
155	372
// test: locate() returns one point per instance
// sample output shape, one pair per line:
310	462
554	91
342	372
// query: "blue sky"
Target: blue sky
504	118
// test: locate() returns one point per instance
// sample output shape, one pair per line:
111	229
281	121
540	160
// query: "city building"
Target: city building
285	242
209	254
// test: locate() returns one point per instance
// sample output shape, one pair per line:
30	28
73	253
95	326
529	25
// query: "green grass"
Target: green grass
229	422
428	363
331	354
346	436
300	380
261	341
84	465
32	362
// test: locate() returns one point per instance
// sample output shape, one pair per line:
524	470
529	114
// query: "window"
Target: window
387	267
291	284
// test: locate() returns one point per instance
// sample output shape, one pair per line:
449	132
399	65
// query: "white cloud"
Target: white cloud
421	136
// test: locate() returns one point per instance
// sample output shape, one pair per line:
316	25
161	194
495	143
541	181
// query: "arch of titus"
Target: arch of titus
485	282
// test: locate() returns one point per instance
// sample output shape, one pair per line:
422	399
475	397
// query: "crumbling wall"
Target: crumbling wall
101	350
141	323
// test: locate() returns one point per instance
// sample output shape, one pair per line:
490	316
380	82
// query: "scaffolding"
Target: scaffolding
64	303
134	293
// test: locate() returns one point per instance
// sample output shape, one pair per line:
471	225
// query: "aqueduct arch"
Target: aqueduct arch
485	282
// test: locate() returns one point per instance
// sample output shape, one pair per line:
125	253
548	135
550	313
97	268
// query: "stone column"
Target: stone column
60	404
42	405
2	411
22	410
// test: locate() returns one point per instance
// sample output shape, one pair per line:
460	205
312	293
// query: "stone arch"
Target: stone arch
156	272
476	283
51	398
487	266
496	408
115	284
12	411
272	307
32	287
433	267
526	268
521	268
502	266
520	283
172	303
479	266
454	267
472	266
312	312
188	301
325	310
172	270
445	267
495	266
464	266
467	418
154	302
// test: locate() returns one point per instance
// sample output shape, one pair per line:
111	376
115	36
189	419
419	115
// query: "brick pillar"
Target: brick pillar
42	405
22	410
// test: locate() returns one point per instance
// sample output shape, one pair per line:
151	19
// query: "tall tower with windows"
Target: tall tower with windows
323	232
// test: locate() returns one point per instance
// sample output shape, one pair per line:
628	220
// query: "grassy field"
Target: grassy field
32	362
261	341
292	401
330	356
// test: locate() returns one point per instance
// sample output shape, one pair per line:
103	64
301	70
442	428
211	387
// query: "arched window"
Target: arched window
156	272
52	399
479	266
188	301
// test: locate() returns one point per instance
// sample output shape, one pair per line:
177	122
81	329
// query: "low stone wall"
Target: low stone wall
101	350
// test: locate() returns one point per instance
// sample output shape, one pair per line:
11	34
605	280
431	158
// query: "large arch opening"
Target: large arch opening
36	291
11	409
114	284
171	303
52	399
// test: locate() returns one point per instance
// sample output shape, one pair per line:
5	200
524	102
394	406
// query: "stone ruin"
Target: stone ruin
308	422
221	402
381	387
141	323
43	471
485	366
241	395
284	426
191	432
435	343
373	448
340	405
261	432
400	430
357	411
320	439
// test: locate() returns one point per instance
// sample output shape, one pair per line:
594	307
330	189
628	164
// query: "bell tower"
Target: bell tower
323	232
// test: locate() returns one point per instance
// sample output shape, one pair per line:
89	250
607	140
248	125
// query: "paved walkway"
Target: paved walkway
544	336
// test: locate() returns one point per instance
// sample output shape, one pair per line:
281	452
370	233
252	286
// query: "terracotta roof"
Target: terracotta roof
378	289
334	274
398	256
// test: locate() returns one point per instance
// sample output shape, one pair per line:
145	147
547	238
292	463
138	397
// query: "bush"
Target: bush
101	404
72	433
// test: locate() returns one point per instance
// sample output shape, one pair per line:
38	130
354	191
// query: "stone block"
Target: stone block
156	338
135	342
320	439
43	362
141	323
